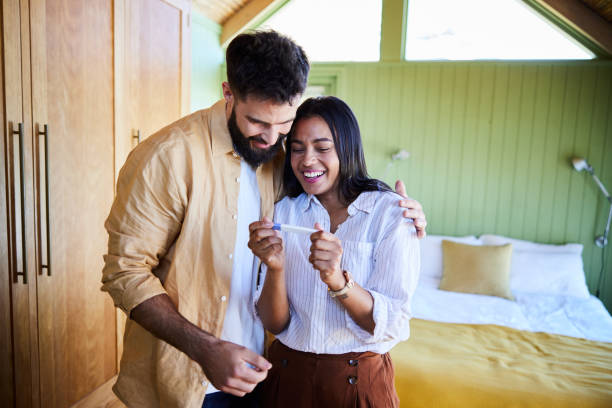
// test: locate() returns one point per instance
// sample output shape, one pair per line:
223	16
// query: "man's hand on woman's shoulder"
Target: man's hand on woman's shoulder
414	209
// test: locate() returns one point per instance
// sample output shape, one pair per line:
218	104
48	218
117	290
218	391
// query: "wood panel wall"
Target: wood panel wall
490	144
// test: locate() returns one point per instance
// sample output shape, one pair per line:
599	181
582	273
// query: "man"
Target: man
178	262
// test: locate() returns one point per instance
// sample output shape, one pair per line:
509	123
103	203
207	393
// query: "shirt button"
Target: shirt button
352	380
223	298
237	179
230	256
235	155
235	216
204	383
353	363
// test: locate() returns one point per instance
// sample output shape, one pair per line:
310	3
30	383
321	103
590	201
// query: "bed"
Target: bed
549	347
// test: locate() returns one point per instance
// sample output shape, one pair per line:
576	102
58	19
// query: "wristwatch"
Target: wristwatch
342	292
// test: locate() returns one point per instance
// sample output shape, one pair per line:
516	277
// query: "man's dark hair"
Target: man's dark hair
353	175
266	65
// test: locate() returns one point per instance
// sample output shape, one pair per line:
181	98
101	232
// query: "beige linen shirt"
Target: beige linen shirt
172	230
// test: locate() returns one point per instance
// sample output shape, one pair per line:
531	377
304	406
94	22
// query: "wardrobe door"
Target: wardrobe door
72	88
153	62
18	332
6	343
152	75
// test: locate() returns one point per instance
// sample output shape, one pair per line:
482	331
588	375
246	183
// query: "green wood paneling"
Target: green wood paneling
599	151
490	144
468	165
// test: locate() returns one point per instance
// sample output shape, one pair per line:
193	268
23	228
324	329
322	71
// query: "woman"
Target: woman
339	299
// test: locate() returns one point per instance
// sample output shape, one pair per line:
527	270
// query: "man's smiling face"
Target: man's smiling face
257	126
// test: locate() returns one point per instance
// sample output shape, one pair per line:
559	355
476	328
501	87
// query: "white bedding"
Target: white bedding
546	280
567	315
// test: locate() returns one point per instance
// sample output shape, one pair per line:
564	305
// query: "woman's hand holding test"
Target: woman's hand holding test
267	244
325	257
273	304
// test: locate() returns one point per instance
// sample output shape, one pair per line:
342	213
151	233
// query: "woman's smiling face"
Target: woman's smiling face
314	159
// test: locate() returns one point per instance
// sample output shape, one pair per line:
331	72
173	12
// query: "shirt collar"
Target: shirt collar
221	139
364	202
308	200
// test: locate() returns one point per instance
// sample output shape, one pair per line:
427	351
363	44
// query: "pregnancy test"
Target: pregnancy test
293	228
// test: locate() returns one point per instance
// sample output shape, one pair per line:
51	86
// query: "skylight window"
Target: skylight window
338	30
484	29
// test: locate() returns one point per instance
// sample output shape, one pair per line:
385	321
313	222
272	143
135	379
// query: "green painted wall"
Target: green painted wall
207	58
490	144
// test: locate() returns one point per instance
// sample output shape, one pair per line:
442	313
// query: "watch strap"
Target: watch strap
349	284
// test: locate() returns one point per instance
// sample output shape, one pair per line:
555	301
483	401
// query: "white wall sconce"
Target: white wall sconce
581	164
400	155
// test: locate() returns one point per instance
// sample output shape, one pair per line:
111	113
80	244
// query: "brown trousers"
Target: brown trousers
308	380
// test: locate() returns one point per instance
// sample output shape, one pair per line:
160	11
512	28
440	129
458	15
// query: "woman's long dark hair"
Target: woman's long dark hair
353	175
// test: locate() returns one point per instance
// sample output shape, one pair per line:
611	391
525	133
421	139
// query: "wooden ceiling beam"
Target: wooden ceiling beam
218	10
247	17
582	19
602	7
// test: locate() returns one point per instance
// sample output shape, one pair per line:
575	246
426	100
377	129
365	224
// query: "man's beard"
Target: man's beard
255	157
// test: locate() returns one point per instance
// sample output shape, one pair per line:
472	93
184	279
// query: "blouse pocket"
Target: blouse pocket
358	260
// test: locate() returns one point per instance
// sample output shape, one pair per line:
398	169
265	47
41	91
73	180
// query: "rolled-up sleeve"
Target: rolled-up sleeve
392	285
144	221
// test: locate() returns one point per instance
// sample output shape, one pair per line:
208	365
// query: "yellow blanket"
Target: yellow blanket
468	365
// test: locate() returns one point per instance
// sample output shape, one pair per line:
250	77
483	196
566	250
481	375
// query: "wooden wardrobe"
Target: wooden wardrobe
71	99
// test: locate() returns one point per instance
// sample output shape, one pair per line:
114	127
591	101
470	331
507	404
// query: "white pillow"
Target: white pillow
521	245
431	255
543	268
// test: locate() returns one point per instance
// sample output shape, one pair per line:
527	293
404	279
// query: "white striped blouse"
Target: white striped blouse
381	252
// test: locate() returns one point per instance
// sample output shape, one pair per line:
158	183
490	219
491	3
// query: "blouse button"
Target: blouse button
230	256
223	298
235	216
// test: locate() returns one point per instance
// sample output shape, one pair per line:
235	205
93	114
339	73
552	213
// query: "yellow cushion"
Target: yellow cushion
484	270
